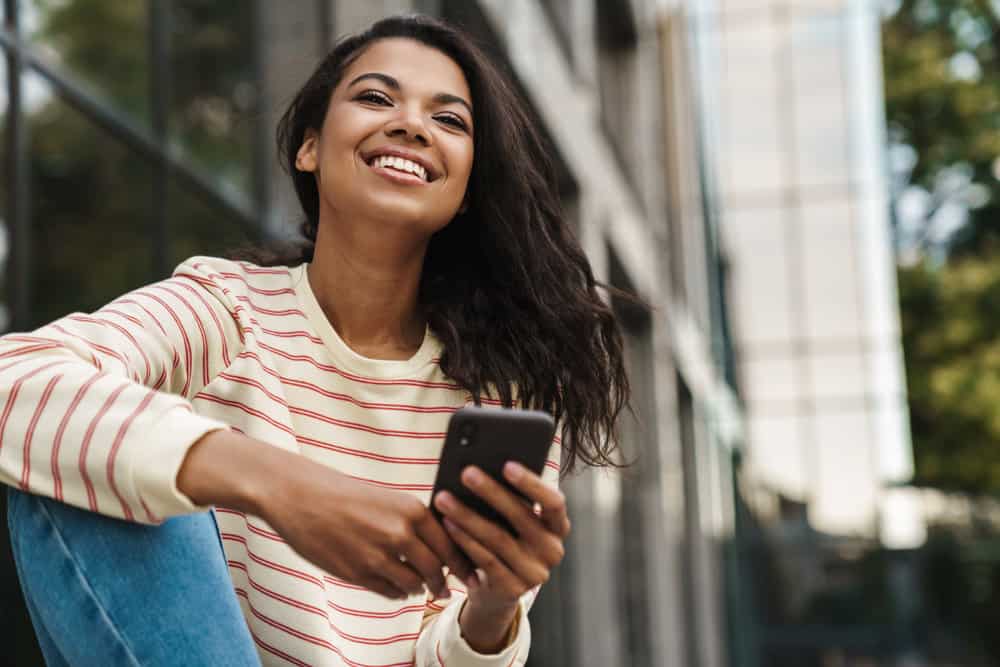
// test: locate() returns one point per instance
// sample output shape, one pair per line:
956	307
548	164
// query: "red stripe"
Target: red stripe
57	442
116	445
298	574
292	602
375	614
236	276
26	459
114	354
205	379
15	389
317	641
358	378
356	426
340	449
176	358
218	323
394	485
188	363
244	408
302	606
119	313
302	384
293	334
122	330
82	461
28	349
253	269
271	649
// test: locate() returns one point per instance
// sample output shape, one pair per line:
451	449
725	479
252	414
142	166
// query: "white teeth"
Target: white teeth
401	164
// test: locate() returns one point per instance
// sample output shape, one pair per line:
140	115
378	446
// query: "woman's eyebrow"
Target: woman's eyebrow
391	82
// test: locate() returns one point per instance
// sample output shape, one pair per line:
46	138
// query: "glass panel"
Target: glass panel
101	42
761	278
830	260
89	239
771	380
846	488
778	455
212	86
199	227
839	378
5	178
821	127
750	123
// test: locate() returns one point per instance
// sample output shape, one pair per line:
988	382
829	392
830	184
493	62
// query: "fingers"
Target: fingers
401	575
501	499
383	587
434	536
428	566
497	541
551	499
498	575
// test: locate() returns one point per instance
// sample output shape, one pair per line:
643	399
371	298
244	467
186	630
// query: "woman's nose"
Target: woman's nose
410	124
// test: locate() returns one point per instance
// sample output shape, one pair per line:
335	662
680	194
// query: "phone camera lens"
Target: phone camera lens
468	429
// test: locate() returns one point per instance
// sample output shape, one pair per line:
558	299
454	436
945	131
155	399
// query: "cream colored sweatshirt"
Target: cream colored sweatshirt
99	411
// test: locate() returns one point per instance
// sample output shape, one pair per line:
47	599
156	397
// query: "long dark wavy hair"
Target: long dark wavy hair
505	286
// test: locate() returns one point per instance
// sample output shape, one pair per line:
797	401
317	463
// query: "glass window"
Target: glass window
200	227
212	89
89	213
771	380
102	43
750	123
846	485
829	254
756	239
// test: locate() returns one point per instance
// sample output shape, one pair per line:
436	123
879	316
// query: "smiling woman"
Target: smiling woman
304	392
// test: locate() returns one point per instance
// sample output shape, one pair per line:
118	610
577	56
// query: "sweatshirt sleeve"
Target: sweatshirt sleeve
96	409
441	644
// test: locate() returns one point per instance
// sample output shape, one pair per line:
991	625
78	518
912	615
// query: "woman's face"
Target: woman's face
396	143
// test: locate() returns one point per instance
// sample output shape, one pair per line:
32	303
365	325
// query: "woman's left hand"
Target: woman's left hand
512	564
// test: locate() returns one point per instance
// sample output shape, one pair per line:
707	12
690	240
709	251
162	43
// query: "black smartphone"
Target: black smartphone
487	438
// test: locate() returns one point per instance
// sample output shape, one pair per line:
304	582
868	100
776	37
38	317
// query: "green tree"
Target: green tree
942	79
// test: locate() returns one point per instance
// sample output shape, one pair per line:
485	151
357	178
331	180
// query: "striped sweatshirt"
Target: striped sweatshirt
100	409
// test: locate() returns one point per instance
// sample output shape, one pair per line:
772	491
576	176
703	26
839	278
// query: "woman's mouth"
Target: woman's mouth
399	170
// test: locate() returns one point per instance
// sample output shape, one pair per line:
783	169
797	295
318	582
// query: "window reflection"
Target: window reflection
212	90
89	213
101	43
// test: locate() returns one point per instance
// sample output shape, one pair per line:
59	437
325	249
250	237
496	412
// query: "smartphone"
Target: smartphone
487	438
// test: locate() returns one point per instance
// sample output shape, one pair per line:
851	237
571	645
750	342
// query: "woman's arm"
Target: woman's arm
95	406
352	530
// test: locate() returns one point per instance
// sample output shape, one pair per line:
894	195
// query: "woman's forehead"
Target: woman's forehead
413	64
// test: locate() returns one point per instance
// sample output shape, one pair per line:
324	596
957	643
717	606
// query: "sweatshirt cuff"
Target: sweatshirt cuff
155	480
451	649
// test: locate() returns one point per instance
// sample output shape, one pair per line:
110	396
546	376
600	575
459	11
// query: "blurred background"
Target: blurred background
808	192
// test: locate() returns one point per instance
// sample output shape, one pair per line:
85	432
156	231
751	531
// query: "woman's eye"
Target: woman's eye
374	97
454	121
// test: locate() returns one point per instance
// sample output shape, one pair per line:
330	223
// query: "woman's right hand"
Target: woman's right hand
384	540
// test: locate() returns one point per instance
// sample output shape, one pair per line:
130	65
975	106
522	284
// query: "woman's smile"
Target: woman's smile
403	114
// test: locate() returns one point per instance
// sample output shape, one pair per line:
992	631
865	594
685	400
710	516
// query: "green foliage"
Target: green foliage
942	79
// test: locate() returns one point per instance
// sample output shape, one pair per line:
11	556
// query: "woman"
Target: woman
305	397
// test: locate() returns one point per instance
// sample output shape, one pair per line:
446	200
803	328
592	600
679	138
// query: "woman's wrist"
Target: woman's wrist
229	469
488	629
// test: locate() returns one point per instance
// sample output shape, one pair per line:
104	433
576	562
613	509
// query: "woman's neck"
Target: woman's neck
369	293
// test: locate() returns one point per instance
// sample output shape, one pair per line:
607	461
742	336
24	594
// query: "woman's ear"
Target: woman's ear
307	159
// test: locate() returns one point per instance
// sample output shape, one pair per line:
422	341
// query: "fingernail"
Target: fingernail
444	501
472	581
471	476
513	470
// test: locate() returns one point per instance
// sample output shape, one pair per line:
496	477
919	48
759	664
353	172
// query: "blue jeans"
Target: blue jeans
106	592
